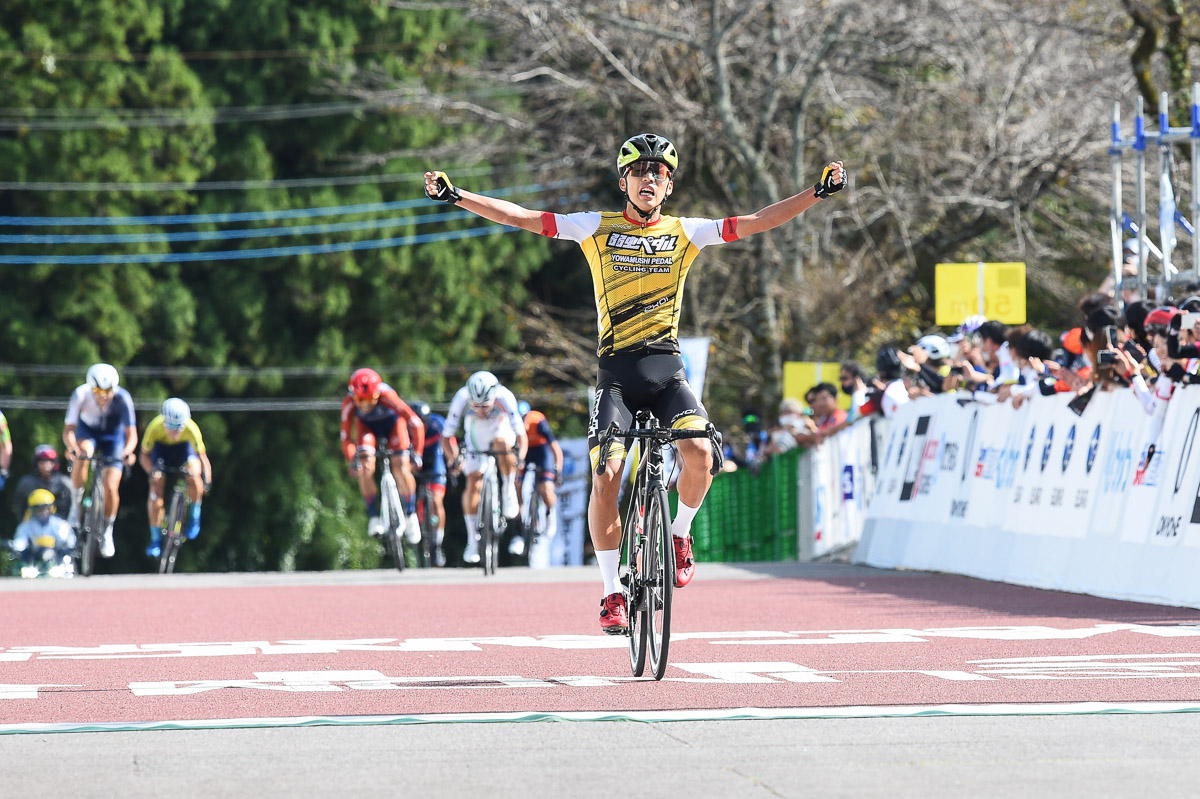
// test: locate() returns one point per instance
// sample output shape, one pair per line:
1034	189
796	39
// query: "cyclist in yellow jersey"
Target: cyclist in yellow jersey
639	261
173	439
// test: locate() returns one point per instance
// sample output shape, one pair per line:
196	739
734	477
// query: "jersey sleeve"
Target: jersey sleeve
543	428
454	415
576	227
347	441
416	428
74	405
508	401
128	416
152	434
193	429
5	436
703	232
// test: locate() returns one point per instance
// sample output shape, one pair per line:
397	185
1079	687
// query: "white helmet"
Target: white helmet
937	347
481	388
175	413
103	376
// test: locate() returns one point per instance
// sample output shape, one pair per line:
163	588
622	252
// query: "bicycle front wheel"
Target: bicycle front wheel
393	524
426	550
631	543
172	534
93	528
659	560
487	528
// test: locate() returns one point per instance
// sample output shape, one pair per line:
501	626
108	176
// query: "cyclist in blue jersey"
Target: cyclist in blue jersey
100	420
433	470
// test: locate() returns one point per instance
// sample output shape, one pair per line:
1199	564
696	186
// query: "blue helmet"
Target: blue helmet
523	408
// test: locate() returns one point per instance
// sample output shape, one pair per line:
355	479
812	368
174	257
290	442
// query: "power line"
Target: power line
209	55
247	185
268	252
270	372
254	233
260	216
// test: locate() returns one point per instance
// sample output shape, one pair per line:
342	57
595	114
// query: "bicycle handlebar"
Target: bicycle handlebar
660	435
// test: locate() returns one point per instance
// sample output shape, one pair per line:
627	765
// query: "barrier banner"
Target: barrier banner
1105	502
836	482
566	547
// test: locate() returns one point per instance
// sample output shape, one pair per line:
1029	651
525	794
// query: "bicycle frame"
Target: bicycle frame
174	516
390	509
492	523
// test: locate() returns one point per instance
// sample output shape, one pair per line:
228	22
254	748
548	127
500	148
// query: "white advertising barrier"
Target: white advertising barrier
836	483
566	547
1106	502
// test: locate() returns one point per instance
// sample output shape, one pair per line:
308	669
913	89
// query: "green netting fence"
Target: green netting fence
750	516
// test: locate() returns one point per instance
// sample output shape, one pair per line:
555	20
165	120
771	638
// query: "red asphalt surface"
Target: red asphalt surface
852	673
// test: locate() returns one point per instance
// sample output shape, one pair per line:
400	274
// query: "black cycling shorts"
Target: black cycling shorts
629	382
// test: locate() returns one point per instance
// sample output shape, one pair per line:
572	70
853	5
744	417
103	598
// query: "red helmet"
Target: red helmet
1160	317
45	452
365	383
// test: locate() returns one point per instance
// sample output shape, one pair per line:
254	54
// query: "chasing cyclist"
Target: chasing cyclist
492	424
100	417
547	458
433	471
42	525
639	259
173	440
382	416
47	476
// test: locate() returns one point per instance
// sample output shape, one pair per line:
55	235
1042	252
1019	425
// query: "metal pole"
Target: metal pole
1114	220
979	287
1139	145
1164	180
1195	137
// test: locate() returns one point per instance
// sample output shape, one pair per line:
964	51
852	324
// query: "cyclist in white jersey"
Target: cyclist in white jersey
639	259
100	420
488	413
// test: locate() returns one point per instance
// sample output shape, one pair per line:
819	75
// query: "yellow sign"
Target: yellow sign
800	376
957	288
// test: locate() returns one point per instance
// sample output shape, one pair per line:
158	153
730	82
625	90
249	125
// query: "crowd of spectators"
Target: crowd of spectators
1121	343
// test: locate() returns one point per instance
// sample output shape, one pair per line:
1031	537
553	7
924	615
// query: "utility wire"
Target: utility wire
270	372
268	252
208	55
260	216
284	183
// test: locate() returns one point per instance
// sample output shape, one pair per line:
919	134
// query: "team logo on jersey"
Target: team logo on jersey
647	244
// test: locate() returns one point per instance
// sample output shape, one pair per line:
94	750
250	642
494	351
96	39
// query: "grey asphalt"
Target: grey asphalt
1035	756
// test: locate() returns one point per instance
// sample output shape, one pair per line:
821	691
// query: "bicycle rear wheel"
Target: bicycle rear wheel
487	528
426	550
635	596
659	560
172	534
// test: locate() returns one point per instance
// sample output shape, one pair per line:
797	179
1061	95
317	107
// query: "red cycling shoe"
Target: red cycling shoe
613	618
685	564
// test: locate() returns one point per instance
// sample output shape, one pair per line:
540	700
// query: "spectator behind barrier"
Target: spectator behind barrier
997	359
889	390
794	420
853	380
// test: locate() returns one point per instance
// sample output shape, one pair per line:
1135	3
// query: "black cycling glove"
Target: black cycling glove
445	191
825	186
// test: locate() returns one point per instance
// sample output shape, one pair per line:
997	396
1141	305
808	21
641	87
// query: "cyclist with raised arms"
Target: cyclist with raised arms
382	416
488	414
639	259
100	418
433	471
173	439
547	457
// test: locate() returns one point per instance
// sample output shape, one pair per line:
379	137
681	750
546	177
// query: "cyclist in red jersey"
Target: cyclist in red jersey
547	456
381	415
639	259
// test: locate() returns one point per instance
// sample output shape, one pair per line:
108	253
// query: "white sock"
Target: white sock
472	520
609	561
441	533
683	521
76	498
552	522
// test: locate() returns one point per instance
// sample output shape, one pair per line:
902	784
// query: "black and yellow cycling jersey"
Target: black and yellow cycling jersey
638	272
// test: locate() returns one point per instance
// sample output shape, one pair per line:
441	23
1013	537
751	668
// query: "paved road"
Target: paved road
774	641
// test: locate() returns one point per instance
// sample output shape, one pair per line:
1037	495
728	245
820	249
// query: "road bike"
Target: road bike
175	518
647	551
492	522
92	515
390	508
535	514
427	515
